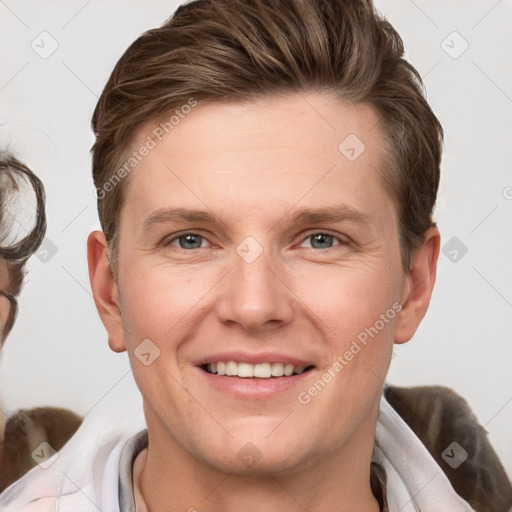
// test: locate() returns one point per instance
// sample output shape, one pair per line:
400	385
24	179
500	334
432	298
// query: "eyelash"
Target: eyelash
337	237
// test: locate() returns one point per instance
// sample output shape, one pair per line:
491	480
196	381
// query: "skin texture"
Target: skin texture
253	166
5	305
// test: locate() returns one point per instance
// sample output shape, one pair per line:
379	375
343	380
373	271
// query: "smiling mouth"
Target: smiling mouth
259	370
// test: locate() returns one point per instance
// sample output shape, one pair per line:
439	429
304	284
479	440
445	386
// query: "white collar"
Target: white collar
415	482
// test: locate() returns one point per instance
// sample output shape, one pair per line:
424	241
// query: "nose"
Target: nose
254	295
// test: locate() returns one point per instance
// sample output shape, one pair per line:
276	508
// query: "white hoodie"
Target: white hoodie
93	471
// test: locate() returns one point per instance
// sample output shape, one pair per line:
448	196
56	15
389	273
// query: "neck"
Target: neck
335	483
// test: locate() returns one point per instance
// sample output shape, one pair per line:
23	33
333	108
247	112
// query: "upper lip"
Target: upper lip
253	358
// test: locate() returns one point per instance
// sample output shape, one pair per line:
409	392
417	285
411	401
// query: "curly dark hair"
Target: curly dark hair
14	177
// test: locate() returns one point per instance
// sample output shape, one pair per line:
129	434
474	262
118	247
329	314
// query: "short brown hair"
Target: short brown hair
238	50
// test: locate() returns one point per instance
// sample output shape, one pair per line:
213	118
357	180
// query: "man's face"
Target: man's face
262	275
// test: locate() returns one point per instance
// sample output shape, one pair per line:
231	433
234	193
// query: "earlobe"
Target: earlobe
418	286
104	289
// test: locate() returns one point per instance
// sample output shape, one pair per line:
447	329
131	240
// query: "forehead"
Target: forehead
300	149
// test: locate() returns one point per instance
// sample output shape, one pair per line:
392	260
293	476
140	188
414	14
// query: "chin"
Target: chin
259	457
255	465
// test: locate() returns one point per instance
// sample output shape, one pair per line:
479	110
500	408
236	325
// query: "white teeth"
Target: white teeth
277	369
288	369
262	371
231	368
248	370
245	370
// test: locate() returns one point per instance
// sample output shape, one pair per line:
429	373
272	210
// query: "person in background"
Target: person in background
22	204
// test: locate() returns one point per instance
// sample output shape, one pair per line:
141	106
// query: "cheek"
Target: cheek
347	301
164	304
5	308
153	301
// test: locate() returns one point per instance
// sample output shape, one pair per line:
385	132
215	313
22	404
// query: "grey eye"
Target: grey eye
321	241
190	241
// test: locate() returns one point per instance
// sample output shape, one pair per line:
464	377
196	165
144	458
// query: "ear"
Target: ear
104	290
418	286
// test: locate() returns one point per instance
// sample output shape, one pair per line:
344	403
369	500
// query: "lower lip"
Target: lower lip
254	388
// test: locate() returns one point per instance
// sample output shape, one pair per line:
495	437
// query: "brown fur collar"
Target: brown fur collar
439	417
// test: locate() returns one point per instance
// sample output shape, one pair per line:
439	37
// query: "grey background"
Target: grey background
57	353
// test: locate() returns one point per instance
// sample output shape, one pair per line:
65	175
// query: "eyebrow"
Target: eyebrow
165	215
329	215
